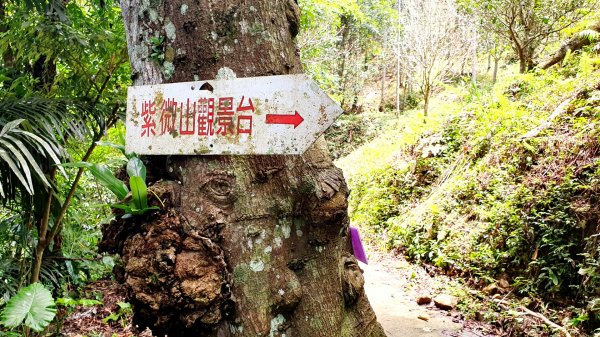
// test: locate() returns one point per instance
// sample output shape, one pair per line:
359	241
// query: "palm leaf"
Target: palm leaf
20	160
33	306
32	162
33	133
15	170
18	156
56	118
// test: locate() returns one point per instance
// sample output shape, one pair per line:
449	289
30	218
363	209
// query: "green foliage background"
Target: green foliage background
468	195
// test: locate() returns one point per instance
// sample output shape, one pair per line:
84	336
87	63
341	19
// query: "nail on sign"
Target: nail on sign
254	115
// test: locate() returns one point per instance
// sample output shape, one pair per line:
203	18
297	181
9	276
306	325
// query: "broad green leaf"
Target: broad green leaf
135	167
88	302
119	147
71	302
66	301
552	277
139	192
108	179
105	177
125	208
113	317
32	305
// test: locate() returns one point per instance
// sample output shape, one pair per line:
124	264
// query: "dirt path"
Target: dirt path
392	286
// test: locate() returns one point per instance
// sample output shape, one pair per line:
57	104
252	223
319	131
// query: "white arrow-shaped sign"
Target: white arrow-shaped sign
254	115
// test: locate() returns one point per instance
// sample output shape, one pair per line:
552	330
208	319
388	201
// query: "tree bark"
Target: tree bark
247	245
525	59
426	97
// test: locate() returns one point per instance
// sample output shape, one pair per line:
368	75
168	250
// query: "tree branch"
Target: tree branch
575	43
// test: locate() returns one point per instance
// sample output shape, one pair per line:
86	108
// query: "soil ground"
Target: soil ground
393	284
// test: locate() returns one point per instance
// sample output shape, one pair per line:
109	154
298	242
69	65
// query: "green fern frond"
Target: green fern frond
590	34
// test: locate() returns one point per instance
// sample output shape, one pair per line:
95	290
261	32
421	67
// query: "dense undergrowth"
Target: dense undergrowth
473	194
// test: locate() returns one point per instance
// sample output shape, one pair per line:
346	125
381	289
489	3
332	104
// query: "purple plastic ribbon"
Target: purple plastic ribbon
357	246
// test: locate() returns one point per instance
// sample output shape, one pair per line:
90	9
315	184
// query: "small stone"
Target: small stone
503	283
490	289
423	317
445	302
423	299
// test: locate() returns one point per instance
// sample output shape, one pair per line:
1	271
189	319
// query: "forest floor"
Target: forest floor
393	286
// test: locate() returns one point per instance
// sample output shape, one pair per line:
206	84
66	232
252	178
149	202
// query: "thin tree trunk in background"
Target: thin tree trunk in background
474	61
383	74
495	75
399	9
426	96
406	91
248	245
345	31
397	91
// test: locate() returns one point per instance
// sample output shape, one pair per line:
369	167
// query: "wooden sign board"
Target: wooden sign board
243	116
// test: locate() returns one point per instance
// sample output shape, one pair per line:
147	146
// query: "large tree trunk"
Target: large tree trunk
525	59
248	246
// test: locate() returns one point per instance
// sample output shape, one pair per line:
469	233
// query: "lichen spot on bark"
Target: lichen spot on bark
276	322
168	69
225	74
170	30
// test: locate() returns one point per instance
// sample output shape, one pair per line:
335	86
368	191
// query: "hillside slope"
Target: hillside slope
502	183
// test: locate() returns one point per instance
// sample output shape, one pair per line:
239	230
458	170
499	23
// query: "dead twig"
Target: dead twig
524	311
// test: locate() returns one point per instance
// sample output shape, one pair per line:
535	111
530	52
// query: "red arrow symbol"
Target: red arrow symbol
294	120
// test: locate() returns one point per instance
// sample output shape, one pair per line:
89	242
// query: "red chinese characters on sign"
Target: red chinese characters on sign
187	120
204	117
168	112
244	122
148	124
